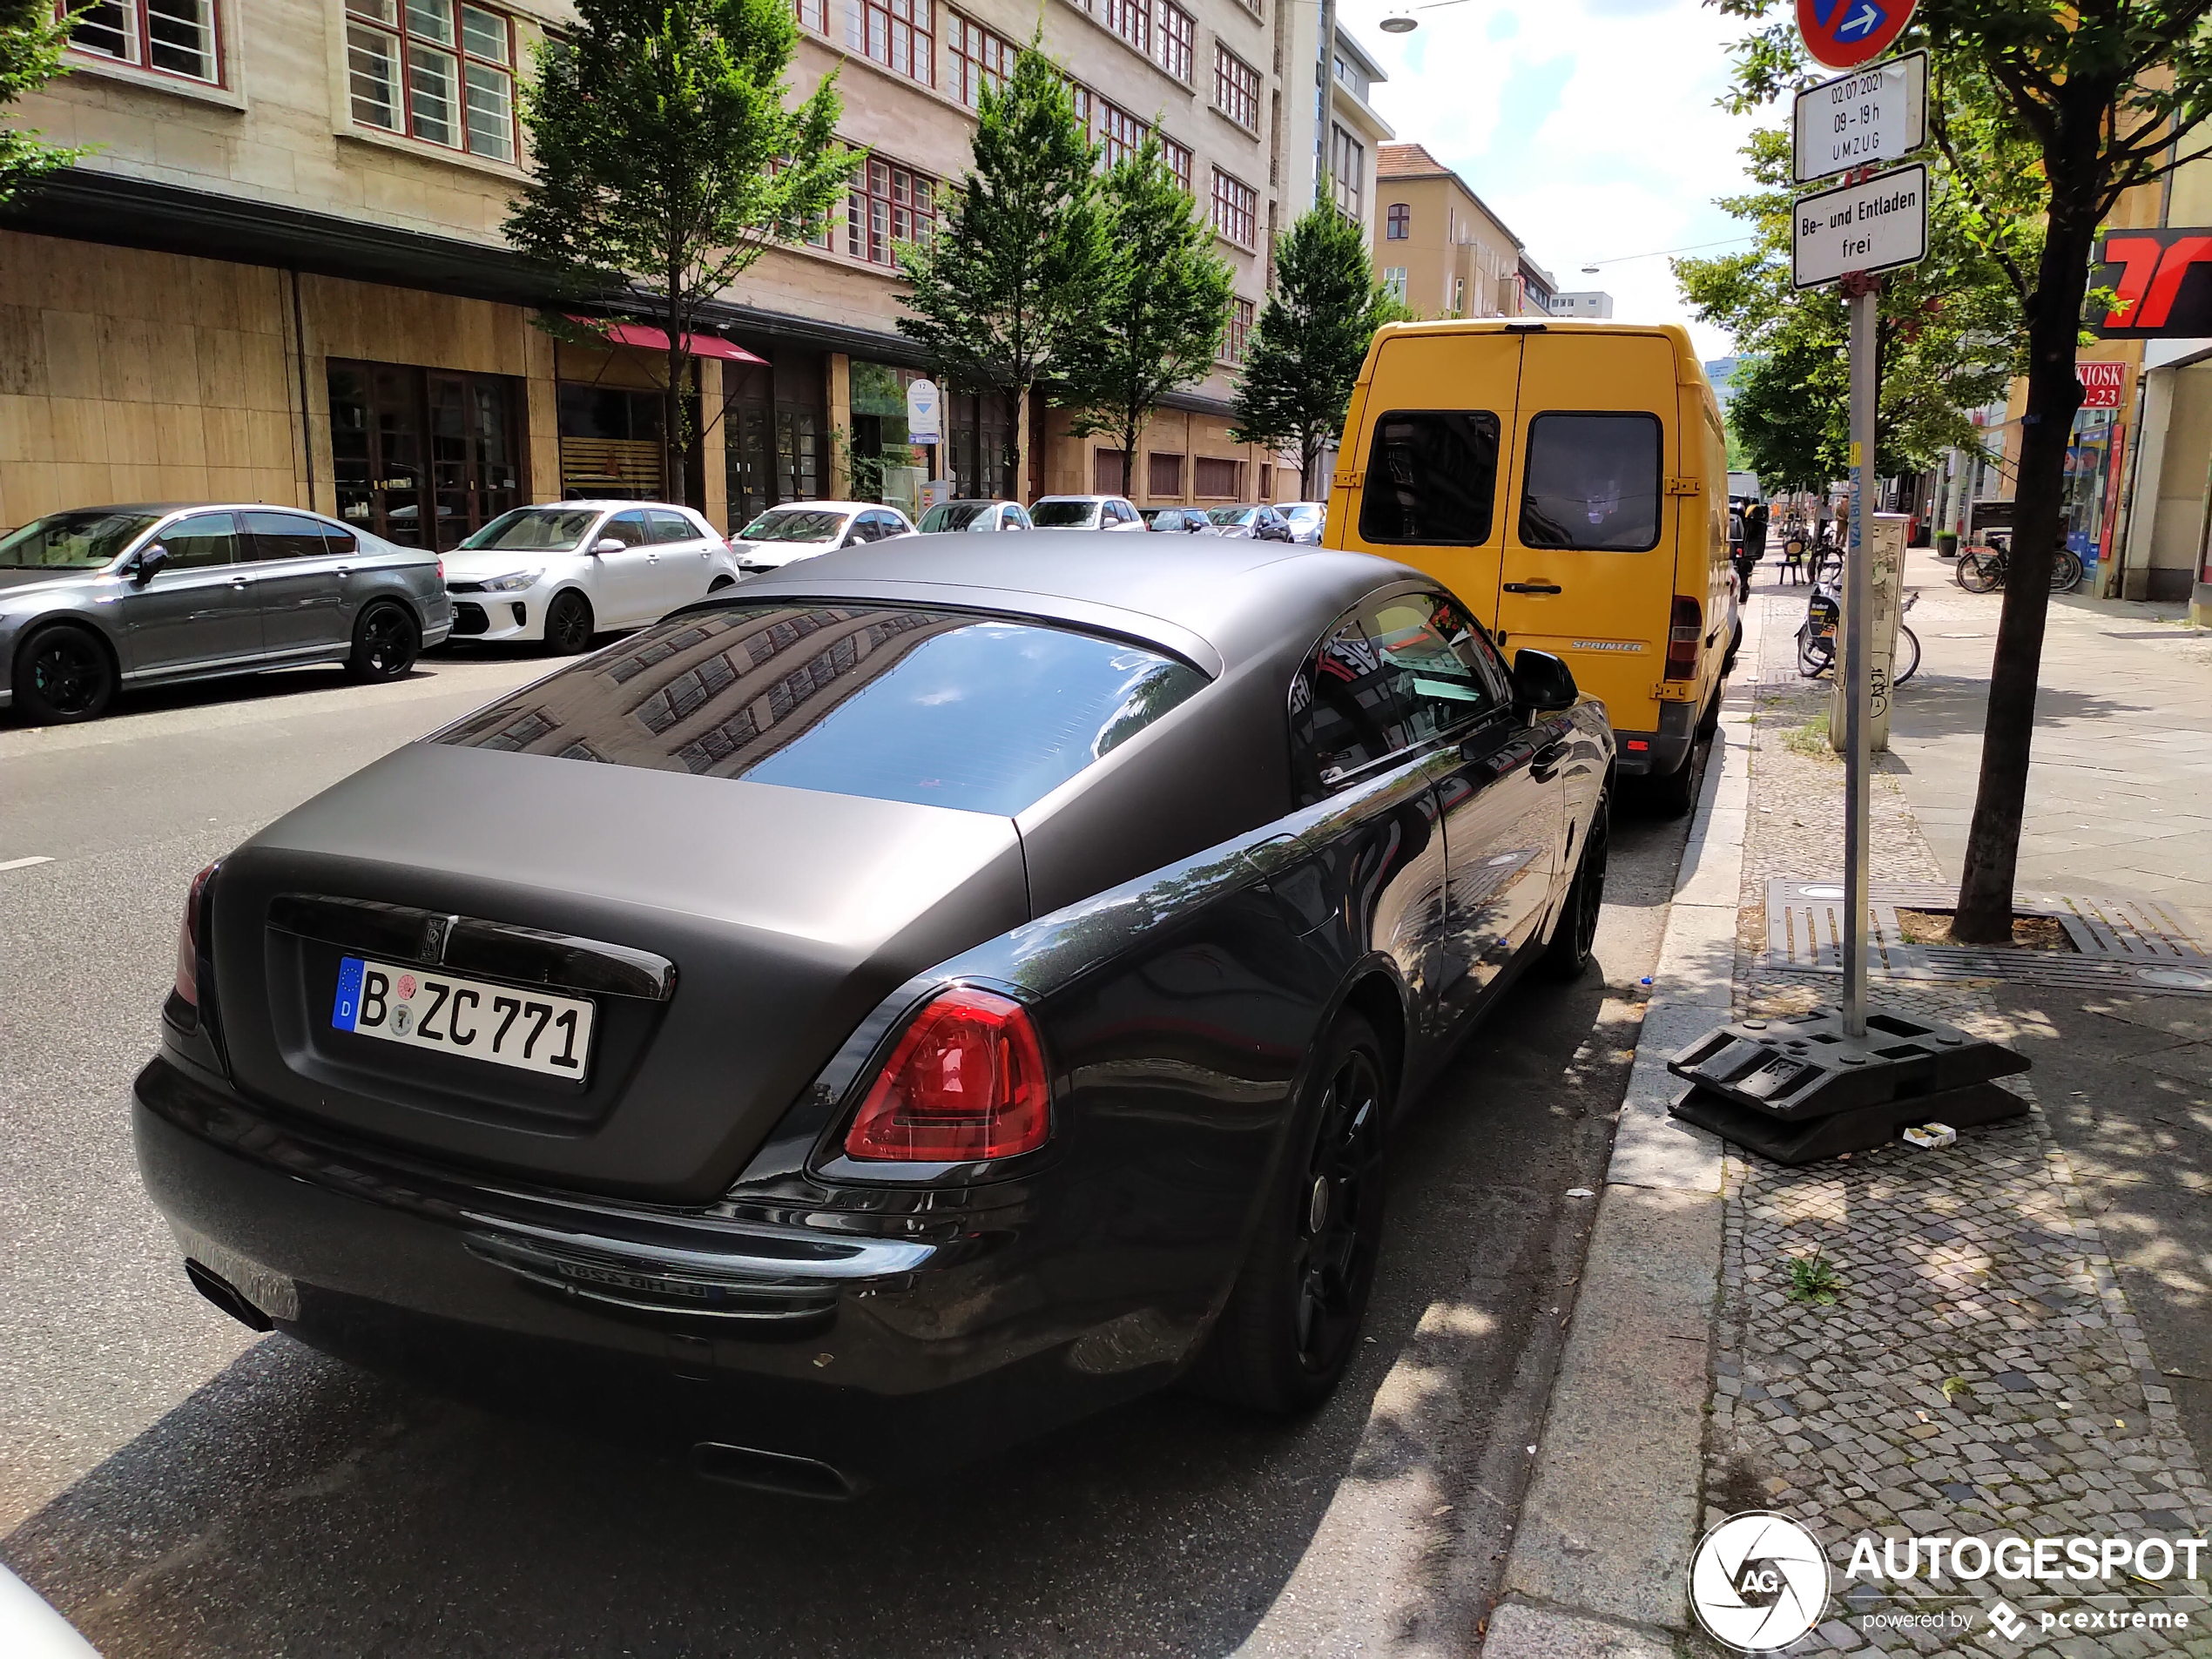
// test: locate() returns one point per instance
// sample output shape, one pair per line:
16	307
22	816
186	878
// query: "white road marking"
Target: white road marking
22	864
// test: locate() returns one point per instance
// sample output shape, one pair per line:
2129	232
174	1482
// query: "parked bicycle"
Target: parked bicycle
1824	562
1817	637
1981	569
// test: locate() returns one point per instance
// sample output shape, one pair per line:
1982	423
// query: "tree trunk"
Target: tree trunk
1021	443
1129	455
1984	914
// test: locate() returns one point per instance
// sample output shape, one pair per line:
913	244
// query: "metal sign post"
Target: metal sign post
1858	608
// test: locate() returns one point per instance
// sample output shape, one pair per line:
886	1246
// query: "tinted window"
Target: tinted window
1061	514
672	527
1345	712
930	706
294	535
629	529
534	529
956	516
1444	680
1593	481
78	541
1432	477
200	540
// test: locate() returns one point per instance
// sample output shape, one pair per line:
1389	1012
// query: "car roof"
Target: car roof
1203	598
600	503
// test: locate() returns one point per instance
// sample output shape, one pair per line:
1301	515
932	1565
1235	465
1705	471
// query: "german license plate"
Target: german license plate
423	1008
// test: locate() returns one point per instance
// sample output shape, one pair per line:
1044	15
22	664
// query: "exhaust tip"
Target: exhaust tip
777	1472
226	1296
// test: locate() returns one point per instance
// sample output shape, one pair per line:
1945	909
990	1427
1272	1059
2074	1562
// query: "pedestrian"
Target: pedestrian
1754	549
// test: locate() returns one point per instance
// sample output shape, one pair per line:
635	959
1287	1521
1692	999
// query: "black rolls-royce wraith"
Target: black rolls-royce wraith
904	1002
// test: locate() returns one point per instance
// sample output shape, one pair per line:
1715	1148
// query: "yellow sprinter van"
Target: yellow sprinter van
1569	481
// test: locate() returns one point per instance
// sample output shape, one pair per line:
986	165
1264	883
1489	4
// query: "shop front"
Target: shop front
775	430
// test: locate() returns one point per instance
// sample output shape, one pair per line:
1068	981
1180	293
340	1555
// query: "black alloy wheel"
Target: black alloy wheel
568	624
63	675
1291	1323
1568	954
386	642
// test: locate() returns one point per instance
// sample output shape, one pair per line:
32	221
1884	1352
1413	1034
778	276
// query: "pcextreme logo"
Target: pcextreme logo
1758	1580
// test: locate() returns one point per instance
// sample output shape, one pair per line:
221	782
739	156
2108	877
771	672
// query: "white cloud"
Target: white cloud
1590	127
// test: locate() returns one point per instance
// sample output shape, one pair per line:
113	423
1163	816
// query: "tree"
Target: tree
1012	276
667	163
1947	333
31	39
1311	336
1161	309
2108	95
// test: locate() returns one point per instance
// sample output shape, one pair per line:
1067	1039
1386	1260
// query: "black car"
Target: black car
918	997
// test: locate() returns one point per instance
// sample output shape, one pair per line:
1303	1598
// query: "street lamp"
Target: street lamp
1402	21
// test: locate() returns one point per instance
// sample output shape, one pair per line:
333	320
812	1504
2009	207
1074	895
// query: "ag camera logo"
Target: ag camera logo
1758	1580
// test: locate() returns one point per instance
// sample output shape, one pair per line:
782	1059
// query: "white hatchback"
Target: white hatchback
566	570
799	529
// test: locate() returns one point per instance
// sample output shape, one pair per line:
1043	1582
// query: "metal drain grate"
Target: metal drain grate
2117	942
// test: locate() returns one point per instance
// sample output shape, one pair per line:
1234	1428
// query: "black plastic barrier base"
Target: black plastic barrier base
1859	1130
1802	1067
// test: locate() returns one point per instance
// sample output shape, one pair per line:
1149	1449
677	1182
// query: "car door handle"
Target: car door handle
1533	587
345	569
1545	767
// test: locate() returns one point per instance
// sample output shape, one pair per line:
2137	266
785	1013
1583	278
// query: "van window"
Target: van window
1432	477
1592	483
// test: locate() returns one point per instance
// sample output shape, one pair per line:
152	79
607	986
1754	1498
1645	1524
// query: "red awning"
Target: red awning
636	334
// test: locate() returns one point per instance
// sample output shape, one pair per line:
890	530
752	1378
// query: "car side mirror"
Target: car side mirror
149	564
607	544
1543	683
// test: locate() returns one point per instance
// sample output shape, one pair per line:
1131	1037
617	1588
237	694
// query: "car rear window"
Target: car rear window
1432	478
1593	483
937	707
1062	514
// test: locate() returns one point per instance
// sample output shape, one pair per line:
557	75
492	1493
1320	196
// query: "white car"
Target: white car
1306	519
976	516
562	572
799	529
1087	513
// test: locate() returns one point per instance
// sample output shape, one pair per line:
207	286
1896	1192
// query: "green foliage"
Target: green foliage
1160	308
1311	336
1013	273
1948	334
1813	1280
31	39
667	160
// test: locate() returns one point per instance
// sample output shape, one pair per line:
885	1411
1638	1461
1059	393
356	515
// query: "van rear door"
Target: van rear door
1439	415
1587	562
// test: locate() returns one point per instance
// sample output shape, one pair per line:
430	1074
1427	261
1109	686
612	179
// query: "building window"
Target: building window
1162	477
902	35
421	456
1106	474
1347	170
814	13
1236	208
177	36
889	205
1400	224
1122	133
1394	280
1458	296
1177	34
1132	20
1080	95
1178	157
1218	480
1235	88
979	58
439	70
1236	344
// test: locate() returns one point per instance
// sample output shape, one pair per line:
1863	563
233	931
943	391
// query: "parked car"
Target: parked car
977	516
1306	519
1189	520
1094	914
1253	523
1085	513
799	529
100	597
565	571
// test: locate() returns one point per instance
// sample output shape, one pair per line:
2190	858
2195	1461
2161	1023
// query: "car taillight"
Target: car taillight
188	942
1683	637
967	1081
441	573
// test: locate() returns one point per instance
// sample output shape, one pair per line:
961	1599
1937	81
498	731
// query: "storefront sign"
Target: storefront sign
2153	284
2104	386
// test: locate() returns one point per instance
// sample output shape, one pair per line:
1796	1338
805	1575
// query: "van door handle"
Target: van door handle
1533	587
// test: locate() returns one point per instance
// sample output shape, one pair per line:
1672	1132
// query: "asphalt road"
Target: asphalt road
177	1486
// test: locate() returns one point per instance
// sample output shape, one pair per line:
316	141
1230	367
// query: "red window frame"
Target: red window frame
1235	88
812	14
979	57
142	25
1236	208
1178	157
902	35
1236	343
1398	224
1120	134
457	50
1175	40
889	204
1132	20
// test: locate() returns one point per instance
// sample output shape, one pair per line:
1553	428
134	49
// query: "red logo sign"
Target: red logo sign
2161	284
2102	384
1844	34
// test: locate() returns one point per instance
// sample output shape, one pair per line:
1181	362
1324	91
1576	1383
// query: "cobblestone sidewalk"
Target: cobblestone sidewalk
1977	1372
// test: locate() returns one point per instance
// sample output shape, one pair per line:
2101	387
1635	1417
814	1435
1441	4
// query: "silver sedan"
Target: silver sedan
99	597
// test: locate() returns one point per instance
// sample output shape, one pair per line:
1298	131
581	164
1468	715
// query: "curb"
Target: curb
1602	1553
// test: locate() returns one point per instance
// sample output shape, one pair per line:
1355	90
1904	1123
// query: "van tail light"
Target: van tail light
1683	636
188	942
967	1081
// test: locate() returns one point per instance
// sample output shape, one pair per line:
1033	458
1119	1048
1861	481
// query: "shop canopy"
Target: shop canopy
636	334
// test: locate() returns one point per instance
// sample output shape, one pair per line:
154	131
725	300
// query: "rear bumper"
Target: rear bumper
881	1356
1663	752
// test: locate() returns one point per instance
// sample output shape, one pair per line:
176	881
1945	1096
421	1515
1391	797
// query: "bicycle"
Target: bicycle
1825	560
1981	569
1817	638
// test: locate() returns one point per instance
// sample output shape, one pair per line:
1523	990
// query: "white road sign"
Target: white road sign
1873	226
1872	115
922	412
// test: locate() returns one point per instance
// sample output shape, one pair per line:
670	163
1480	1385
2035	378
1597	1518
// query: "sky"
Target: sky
1589	127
